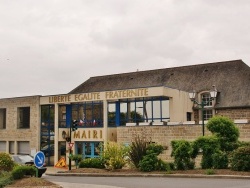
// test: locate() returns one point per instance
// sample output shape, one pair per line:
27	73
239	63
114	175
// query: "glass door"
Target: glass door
91	149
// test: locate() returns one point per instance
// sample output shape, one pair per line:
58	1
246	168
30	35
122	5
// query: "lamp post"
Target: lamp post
70	151
73	127
202	104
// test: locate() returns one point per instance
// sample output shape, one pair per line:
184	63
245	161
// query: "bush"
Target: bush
183	153
147	164
114	155
92	163
209	146
243	144
76	158
162	165
226	131
5	179
137	150
20	171
150	162
6	162
240	160
220	160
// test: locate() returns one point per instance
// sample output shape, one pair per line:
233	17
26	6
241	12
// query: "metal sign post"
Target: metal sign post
39	160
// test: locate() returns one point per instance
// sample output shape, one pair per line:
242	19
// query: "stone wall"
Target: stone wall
12	133
165	134
234	113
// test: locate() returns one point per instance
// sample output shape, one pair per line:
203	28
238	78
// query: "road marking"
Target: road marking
77	185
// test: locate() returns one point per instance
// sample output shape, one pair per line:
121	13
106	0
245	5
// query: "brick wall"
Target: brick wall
12	133
165	134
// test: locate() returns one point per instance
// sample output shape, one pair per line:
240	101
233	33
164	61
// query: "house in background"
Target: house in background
154	104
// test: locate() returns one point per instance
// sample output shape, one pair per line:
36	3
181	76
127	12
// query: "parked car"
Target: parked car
28	160
48	150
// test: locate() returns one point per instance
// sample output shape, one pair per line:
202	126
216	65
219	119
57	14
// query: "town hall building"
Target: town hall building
154	104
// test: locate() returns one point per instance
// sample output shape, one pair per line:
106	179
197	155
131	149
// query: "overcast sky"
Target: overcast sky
51	46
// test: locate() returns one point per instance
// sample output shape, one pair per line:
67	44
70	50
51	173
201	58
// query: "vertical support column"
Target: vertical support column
15	147
105	121
7	147
117	113
68	115
56	134
68	125
171	109
129	112
39	127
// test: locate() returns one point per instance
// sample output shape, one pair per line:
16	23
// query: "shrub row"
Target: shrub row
92	163
20	171
219	151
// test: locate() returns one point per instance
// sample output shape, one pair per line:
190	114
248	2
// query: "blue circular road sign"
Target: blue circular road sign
39	159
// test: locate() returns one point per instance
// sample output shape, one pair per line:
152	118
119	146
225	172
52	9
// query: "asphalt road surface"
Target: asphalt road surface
146	182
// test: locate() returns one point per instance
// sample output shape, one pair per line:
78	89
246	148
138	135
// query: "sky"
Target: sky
50	47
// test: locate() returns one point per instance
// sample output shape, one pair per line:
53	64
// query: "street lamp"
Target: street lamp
73	127
213	94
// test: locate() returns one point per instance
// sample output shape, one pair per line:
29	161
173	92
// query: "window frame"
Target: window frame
204	97
23	119
207	114
4	118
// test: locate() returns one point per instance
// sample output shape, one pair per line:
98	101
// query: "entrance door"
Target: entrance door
91	149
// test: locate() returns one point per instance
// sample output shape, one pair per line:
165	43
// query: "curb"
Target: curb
149	175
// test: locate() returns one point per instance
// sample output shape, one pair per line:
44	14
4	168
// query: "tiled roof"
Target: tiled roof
231	78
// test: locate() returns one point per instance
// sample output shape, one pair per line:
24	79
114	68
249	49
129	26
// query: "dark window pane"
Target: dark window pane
24	117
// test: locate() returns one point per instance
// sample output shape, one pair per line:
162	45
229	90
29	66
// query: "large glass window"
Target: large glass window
23	117
111	114
62	116
3	118
47	125
47	132
88	114
147	110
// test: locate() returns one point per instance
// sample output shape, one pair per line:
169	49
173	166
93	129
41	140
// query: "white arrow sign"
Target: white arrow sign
40	160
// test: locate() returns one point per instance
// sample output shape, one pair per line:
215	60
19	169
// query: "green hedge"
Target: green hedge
183	154
240	160
20	171
92	163
150	161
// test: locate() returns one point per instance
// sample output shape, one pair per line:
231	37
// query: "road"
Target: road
146	182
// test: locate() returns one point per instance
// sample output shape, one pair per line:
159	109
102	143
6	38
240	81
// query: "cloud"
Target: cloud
52	46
